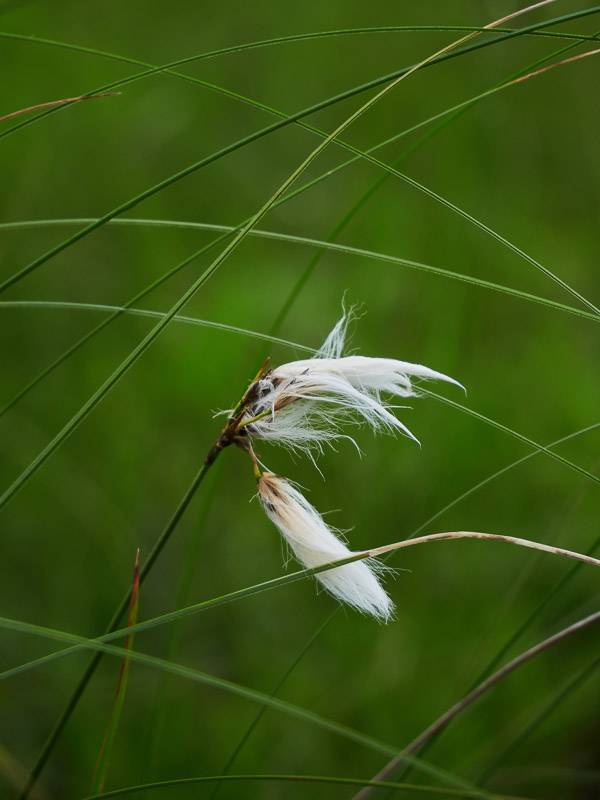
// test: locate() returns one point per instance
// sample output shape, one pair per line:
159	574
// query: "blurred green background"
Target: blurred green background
525	162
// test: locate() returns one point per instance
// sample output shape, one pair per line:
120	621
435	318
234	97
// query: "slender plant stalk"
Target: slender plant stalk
277	582
575	683
421	527
112	626
160	707
376	185
440	55
251	224
254	695
483	687
496	537
259	715
101	771
412	787
90	224
166	69
187	296
406	754
102	646
55	103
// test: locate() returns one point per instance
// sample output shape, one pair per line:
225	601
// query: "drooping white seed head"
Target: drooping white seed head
315	544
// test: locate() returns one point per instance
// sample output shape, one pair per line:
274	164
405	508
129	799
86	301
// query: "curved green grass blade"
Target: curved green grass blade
393	77
511	432
573	684
186	297
102	765
144	312
433	791
176	269
259	715
173	616
375	186
323	245
512	640
390	170
387	558
534	30
445	719
113	624
282	580
244	692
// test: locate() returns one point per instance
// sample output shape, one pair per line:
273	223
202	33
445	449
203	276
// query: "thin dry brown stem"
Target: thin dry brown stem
497	537
456	709
518	13
57	103
552	66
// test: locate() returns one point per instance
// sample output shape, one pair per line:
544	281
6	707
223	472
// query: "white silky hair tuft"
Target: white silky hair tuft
314	543
308	398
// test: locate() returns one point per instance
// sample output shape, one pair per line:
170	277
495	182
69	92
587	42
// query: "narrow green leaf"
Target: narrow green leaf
242	691
413	787
282	580
286	120
301	240
572	685
102	764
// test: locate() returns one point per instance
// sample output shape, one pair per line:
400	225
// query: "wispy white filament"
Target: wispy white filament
301	403
315	544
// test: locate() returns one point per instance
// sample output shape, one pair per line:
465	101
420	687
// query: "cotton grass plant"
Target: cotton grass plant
96	465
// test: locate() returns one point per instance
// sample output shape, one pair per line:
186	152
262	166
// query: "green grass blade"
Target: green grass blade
276	582
259	715
327	245
134	201
413	787
445	719
144	312
511	432
532	30
145	291
187	296
376	185
173	616
101	770
244	692
495	475
113	624
575	683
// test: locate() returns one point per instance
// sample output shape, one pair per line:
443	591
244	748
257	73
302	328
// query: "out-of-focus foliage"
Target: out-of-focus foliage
525	162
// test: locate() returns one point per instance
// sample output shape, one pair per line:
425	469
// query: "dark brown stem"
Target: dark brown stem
226	437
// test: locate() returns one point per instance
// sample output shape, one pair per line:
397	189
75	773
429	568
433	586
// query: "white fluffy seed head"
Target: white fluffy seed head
315	544
301	403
